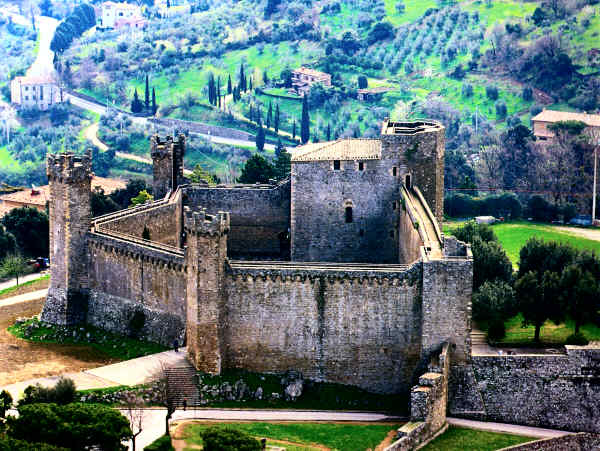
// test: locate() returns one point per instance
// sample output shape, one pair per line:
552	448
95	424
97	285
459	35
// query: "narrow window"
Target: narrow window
407	181
394	171
348	215
336	165
361	232
394	205
391	234
361	166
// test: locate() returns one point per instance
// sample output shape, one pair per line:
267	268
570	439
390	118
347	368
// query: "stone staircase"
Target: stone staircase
478	338
182	385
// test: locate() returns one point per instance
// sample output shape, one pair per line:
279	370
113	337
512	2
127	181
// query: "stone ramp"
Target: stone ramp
427	224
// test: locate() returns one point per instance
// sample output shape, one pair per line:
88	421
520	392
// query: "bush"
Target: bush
62	393
540	209
161	444
501	109
491	92
577	340
500	205
467	90
227	439
496	330
470	230
527	94
11	444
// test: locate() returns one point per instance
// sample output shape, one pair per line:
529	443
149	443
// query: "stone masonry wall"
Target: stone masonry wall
320	196
554	391
259	215
571	442
352	328
125	277
161	222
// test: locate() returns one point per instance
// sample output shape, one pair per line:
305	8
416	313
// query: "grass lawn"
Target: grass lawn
462	439
113	345
499	11
413	10
27	287
6	159
514	235
304	436
550	333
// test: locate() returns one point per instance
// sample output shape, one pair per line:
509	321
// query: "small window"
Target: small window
348	215
391	234
336	165
394	205
407	182
361	166
361	232
26	97
26	88
394	171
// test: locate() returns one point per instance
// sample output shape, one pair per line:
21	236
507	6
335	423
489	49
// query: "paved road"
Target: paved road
32	296
527	431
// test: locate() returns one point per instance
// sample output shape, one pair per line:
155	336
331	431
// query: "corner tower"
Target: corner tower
70	179
167	164
416	152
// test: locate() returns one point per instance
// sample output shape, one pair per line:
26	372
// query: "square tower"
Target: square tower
167	164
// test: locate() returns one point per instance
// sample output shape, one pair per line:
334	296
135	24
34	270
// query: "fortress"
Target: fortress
340	272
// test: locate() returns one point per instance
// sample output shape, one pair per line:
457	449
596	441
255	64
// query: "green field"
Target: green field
550	333
514	235
305	436
499	11
462	439
414	10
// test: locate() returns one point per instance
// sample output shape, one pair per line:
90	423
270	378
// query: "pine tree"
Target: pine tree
147	95
305	123
294	129
270	115
154	106
276	123
283	161
229	90
260	137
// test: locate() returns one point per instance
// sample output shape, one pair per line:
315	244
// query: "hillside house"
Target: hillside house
303	78
543	120
372	94
35	92
174	8
121	15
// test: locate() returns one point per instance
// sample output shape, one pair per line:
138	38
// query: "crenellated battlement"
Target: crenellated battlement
200	223
160	148
68	167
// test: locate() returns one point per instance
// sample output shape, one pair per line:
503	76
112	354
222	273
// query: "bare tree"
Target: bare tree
135	414
489	166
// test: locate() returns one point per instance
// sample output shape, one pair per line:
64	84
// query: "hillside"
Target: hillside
479	66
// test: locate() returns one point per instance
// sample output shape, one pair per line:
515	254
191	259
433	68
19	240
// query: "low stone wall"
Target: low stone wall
570	442
204	129
428	406
554	391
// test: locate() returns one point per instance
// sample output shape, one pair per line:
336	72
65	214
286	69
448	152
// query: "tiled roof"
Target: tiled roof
342	149
32	80
26	197
308	71
593	120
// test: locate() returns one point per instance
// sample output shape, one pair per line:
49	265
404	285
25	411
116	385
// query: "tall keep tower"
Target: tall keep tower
70	179
167	164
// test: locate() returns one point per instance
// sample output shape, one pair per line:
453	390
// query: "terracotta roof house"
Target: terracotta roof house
304	78
38	197
40	92
547	117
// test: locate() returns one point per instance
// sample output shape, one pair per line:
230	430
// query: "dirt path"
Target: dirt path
590	234
21	360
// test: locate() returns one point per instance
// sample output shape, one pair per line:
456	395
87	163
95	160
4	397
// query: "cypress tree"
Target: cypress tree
305	123
229	90
294	129
328	132
211	88
154	106
250	84
270	115
219	91
242	83
276	124
136	104
147	95
260	137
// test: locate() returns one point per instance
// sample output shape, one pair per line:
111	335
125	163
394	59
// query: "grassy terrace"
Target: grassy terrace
302	436
462	439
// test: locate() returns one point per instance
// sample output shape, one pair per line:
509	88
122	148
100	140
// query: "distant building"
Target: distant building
370	94
304	78
30	92
175	8
121	15
543	120
38	197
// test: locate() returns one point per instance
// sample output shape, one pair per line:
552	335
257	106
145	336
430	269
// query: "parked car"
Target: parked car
582	220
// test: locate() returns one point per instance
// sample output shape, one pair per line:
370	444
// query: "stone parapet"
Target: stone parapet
200	223
69	168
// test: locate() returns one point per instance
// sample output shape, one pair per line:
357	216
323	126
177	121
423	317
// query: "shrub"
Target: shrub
494	301
62	393
363	83
491	92
227	439
470	230
161	444
11	444
577	340
540	209
467	90
501	109
138	319
496	330
527	94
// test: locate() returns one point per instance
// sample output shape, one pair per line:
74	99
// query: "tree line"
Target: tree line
81	19
148	106
554	282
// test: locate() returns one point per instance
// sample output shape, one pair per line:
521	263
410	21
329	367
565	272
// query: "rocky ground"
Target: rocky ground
21	360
